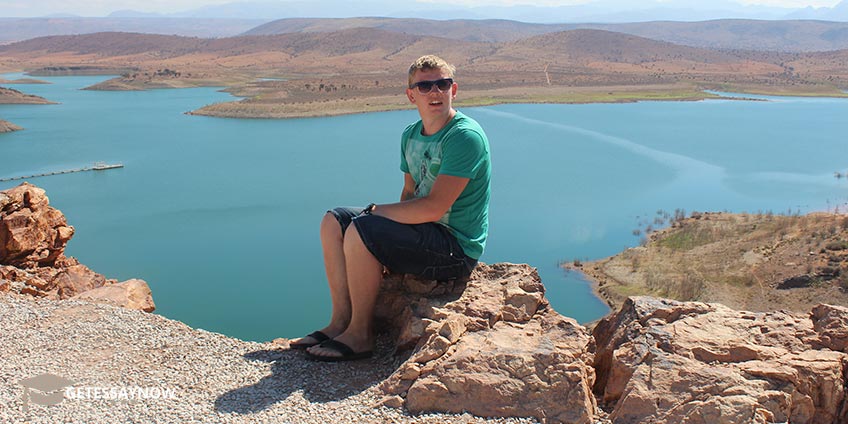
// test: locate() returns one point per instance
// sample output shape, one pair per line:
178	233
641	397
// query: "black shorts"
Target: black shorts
427	250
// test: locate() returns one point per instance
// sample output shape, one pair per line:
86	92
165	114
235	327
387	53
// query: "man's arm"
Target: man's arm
446	189
408	192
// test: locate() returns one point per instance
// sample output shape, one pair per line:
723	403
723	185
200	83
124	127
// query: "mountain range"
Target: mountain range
784	35
788	36
594	11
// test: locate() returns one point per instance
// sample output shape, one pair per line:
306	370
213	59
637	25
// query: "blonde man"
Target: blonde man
438	229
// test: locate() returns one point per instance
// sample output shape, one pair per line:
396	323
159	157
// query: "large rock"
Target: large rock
32	233
666	361
491	346
132	294
33	236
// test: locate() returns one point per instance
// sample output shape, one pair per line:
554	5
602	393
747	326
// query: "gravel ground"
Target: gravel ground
214	378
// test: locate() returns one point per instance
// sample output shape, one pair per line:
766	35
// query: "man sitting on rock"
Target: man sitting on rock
437	231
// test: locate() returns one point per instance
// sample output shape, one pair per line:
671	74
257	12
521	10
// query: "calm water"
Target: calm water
220	216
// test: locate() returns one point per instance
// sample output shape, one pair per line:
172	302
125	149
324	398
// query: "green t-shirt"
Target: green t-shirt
459	149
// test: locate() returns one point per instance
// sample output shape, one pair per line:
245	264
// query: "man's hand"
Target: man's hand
446	189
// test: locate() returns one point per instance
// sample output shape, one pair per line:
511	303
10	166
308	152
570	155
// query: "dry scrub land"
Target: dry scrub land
756	262
363	69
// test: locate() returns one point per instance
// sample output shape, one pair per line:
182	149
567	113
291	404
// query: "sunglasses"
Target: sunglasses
425	87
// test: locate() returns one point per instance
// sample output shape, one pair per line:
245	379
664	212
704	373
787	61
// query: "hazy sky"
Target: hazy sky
104	7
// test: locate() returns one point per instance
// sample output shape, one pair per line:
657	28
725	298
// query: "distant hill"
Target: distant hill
18	29
363	49
582	56
789	36
460	29
585	45
575	46
122	43
836	13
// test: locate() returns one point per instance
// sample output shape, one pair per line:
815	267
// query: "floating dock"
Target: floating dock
98	166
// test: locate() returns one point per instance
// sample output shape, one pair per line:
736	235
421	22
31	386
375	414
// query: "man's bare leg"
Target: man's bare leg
332	243
364	275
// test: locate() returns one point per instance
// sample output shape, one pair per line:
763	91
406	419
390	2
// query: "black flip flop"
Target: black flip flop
317	335
347	354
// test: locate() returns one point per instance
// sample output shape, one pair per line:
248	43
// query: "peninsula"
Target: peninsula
6	126
756	262
12	96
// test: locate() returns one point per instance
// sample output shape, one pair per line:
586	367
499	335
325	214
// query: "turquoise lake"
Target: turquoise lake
220	216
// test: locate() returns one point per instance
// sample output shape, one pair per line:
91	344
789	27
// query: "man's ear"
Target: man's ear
454	87
410	96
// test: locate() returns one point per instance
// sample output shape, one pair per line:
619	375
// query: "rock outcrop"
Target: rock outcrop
665	361
33	236
491	346
132	294
494	347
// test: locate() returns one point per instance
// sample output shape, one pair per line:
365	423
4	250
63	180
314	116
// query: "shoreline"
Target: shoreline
594	278
245	109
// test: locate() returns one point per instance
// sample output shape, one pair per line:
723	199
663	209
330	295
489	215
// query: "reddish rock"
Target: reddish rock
665	361
21	281
491	346
31	232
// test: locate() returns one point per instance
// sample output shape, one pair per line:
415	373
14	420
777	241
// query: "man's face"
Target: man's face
436	103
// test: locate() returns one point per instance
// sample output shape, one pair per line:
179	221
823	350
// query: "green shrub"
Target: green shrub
837	245
686	238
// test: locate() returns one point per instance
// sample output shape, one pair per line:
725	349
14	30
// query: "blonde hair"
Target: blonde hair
427	62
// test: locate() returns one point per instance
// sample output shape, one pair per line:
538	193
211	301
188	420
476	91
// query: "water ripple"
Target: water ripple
684	165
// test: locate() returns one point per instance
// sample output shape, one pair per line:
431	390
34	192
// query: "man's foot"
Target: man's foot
336	351
345	347
312	339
